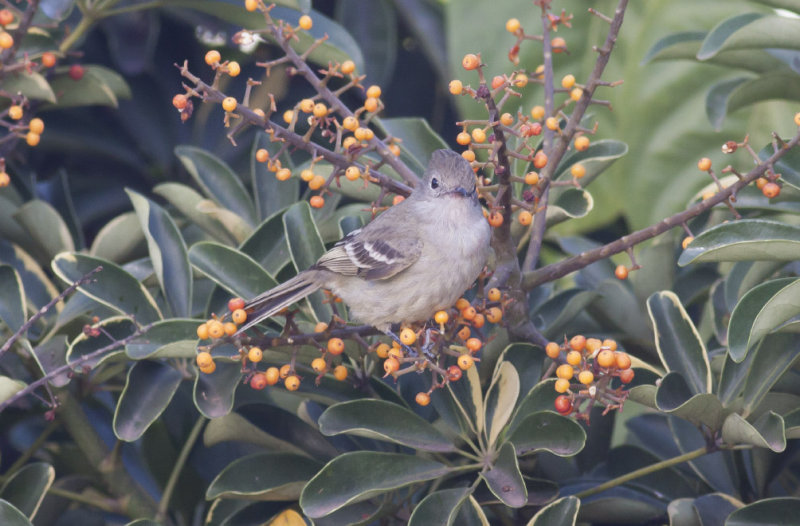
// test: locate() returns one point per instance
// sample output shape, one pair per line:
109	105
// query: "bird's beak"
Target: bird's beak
463	192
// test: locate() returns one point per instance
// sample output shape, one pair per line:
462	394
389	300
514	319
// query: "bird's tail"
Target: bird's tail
275	300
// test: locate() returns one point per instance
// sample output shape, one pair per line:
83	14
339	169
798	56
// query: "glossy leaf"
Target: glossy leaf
235	427
148	390
230	269
788	165
50	355
751	30
112	286
167	253
774	357
374	26
540	398
271	195
383	421
162	336
674	396
730	95
263	476
120	239
504	478
13	307
466	394
11	516
9	387
222	224
217	181
98	86
25	489
764	308
677	341
46	227
596	158
568	203
306	247
267	245
528	360
33	85
766	432
681	512
419	140
113	330
439	508
501	399
562	512
766	512
548	431
555	313
353	477
213	393
744	240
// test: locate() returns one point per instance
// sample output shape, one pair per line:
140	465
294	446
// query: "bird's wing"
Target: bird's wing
368	253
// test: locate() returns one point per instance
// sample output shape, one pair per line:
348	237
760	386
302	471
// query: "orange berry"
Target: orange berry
258	381
395	149
391	365
574	358
352	173
797	118
553	350
213	57
6	17
567	81
202	330
494	294
497	81
441	317
320	110
210	369
255	354
512	25
771	190
586	377
423	399
464	332
521	80
578	342
251	5
340	373
305	22
288	115
474	344
204	359
454	373
623	360
610	344
621	272
371	104
478	135
382	350
565	371
563	405
234	68
470	62
374	91
292	383
229	104
468	313
215	329
532	178
456	87
525	218
540	160
463	138
469	155
260	113
15	112
606	358
687	241
283	174
494	314
5	179
408	336
704	164
32	138
229	328
537	112
465	361
593	344
506	119
495	218
350	123
348	67
316	182
316	201
307	174
562	385
319	365
626	376
398	199
262	155
395	352
364	134
558	44
239	316
320	327
552	123
285	370
335	346
581	143
306	105
479	321
577	170
48	59
462	303
761	182
6	40
273	375
179	101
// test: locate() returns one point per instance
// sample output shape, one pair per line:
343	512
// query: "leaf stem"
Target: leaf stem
163	506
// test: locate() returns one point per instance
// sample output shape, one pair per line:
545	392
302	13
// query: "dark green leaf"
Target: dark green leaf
677	341
540	398
466	394
271	195
224	225
32	85
681	512
13	305
528	360
568	203
563	512
776	354
50	355
112	286
548	431
213	393
46	227
26	488
718	98
114	329
767	432
11	516
306	247
766	512
374	26
120	239
554	314
419	140
596	158
148	390
744	240
234	427
731	95
439	508
163	338
383	421
263	476
230	269
96	87
267	245
751	30
353	477
217	181
501	399
504	479
675	397
683	44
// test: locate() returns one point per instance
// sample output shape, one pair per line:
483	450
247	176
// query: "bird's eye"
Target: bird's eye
434	183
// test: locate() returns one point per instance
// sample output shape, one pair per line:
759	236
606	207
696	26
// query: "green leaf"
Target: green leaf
501	399
25	489
681	512
46	227
167	253
562	512
235	427
374	26
439	508
230	269
730	95
9	387
749	31
557	312
263	476
677	341
92	89
744	240
33	85
788	165
504	479
353	477
683	44
766	512
774	357
419	140
220	223
11	516
148	390
217	181
540	398
766	432
271	195
112	286
306	247
50	355
384	421
161	338
568	203
528	360
548	431
13	307
120	239
764	308
114	329
596	158
267	245
213	393
675	397
467	395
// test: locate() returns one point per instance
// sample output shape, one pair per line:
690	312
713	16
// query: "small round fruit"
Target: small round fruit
258	381
610	344
285	370
352	173
562	385
494	314
335	346
408	336
577	170
374	91
464	333
48	59
260	113
215	329
382	350
340	373
468	312
15	112
606	358
626	376
255	354
586	377
563	405
771	190
317	201
456	87
575	94
348	67
497	81
6	17
305	22
593	344
288	115
234	68
512	25
395	352
479	321
494	294
251	5
532	178
273	375
565	371
558	44
470	62
687	241
262	155
621	272
506	119
204	359
567	81
623	360
465	361
229	104
525	218
179	101
704	164
478	135
540	160
463	138
202	331
474	344
316	182
495	218
320	327
760	182
350	123
292	383
423	399
578	342
284	174
32	138
574	358
320	110
521	80
441	317
210	369
5	179
213	57
391	365
537	112
319	365
454	373
230	328
552	123
239	316
6	40
553	350
797	118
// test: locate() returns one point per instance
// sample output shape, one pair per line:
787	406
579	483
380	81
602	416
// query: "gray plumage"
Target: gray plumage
415	258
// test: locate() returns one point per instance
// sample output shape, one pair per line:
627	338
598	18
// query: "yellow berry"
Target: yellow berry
213	57
382	350
348	142
350	123
578	342
576	94
797	118
565	371
371	104
239	316
506	119
395	149
320	110
494	294
494	314
562	385
470	62
251	5
204	359
551	123
456	87
273	375
202	330
340	372
441	317
623	360
210	369
288	115
321	327
352	173
215	329
423	399
348	67
465	361
537	112
15	112
391	365
568	81
581	143
586	377
255	354
525	218
474	344
577	171
558	44
229	328
292	383
540	160
307	174
317	201
532	178
469	155
478	135
234	68
512	25
283	174
606	358
463	138
610	344
285	370
6	40
32	138
316	182
593	344
306	105
229	104
319	365
374	91
553	350
704	164
574	358
687	241
305	22
262	155
521	80
335	346
408	336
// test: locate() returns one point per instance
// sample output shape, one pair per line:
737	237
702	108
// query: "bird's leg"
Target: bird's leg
430	343
396	338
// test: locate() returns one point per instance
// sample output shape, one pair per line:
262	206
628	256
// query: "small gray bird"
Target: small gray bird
412	260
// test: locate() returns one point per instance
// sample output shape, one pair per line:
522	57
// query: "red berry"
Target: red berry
76	72
563	405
